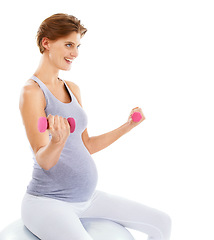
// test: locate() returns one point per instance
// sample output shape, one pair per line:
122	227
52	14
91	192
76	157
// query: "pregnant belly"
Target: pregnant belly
75	174
73	178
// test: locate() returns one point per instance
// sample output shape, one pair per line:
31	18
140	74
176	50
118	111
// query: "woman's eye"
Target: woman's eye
70	45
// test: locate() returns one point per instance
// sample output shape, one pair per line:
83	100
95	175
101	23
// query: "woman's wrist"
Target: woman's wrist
128	126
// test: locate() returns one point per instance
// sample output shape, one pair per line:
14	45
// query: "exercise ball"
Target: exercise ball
98	229
102	229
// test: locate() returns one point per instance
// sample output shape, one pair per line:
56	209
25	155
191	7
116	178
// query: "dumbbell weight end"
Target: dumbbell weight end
136	116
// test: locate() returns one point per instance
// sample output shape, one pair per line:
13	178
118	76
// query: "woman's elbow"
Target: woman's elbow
88	144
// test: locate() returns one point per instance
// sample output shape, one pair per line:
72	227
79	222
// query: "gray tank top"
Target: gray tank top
74	177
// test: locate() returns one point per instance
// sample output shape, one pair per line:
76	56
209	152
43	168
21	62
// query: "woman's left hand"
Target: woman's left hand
131	122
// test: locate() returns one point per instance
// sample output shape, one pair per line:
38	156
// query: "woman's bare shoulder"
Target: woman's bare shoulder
32	89
31	86
73	86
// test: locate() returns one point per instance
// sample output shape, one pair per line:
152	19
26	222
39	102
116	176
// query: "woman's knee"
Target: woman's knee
164	225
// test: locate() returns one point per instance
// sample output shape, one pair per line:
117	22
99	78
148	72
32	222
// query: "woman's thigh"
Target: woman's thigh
130	214
51	219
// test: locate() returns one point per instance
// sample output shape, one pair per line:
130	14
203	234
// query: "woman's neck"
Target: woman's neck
46	72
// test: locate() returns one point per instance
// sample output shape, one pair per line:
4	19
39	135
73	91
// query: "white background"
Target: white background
158	55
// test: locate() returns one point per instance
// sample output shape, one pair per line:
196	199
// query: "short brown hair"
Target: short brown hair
57	26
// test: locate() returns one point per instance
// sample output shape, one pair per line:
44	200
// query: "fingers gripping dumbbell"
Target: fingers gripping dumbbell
43	124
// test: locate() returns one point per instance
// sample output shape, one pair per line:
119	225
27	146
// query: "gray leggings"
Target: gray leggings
51	219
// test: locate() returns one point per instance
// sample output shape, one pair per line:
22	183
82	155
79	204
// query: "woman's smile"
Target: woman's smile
69	60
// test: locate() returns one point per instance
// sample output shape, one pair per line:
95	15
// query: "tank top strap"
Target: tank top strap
44	89
73	97
68	89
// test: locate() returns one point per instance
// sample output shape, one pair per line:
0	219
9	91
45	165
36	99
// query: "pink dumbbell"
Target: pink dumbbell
43	124
136	116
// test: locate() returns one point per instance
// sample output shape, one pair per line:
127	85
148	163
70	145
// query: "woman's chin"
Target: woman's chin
68	68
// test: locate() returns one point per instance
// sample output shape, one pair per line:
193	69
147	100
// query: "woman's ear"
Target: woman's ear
46	43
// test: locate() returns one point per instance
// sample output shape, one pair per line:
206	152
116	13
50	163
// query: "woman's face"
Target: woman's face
63	51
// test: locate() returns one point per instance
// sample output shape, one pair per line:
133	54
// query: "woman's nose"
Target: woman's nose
74	53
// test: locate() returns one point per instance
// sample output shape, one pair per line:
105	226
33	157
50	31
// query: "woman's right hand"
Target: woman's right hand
59	128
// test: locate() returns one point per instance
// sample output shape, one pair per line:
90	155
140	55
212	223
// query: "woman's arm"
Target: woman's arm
97	143
31	105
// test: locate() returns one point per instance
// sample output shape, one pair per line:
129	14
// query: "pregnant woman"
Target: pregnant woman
63	185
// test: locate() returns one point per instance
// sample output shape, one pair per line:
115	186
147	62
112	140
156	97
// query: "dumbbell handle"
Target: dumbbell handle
43	124
136	116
